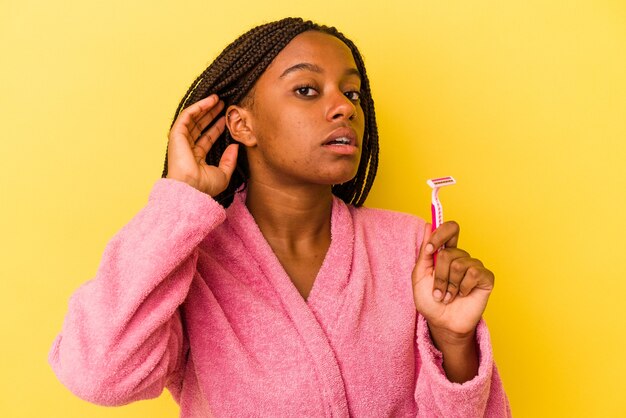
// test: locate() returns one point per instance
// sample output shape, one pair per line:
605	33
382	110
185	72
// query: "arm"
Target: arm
460	354
456	375
437	396
122	336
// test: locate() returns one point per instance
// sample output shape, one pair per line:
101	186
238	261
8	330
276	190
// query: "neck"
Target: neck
291	215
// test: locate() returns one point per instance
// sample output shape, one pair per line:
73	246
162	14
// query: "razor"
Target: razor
436	209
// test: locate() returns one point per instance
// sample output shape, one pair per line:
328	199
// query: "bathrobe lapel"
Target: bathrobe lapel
310	318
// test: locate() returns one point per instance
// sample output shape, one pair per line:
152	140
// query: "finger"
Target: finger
441	283
202	120
207	117
425	263
425	256
228	162
447	235
201	106
476	277
192	120
195	111
459	268
208	138
220	175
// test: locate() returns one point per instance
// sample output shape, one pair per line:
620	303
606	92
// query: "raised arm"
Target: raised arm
457	376
122	338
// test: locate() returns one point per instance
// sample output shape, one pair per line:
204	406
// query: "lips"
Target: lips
343	136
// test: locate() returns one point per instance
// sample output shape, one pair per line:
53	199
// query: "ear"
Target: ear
238	122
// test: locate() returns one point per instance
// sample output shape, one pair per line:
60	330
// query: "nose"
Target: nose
341	107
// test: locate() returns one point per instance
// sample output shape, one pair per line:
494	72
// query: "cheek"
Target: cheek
264	128
275	134
287	130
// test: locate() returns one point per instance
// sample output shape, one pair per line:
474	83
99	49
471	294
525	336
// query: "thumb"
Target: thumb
229	160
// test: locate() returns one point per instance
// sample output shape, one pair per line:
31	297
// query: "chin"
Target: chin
341	178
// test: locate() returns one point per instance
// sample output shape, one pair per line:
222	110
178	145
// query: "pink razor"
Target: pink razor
435	207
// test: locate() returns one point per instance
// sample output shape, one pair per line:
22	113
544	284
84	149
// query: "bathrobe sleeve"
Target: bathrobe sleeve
122	338
436	396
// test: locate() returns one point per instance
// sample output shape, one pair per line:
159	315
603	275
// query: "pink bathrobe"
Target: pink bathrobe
190	296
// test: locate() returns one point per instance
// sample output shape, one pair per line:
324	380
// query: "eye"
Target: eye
354	96
306	91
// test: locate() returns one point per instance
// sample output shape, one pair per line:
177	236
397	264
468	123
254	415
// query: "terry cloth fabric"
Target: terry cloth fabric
190	296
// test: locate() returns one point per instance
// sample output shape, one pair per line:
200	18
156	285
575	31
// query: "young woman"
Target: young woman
253	283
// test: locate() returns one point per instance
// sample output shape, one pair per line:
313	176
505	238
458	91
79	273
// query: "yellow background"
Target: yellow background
524	102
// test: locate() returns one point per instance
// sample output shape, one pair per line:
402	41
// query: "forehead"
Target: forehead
317	48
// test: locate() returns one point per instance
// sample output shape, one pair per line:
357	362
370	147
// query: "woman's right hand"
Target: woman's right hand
188	147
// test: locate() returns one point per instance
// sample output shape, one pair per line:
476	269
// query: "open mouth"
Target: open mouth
341	137
340	141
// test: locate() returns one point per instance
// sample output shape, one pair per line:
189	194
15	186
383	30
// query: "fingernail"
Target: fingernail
429	248
448	297
437	294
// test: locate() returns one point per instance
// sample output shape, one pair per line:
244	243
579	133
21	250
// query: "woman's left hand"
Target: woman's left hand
452	295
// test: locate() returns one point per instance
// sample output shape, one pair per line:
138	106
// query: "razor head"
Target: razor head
441	182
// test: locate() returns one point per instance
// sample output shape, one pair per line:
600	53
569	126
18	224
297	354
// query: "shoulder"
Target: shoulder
390	241
387	225
384	219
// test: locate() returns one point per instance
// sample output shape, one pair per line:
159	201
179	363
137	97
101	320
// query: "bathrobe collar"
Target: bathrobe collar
313	318
335	270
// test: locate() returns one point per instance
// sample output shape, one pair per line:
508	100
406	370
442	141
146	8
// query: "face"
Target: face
305	124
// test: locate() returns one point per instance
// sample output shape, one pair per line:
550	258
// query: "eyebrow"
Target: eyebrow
305	66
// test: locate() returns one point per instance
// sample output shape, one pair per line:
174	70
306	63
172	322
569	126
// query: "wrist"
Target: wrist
445	338
460	353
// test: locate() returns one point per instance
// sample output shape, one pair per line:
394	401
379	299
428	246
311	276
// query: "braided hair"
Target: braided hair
232	76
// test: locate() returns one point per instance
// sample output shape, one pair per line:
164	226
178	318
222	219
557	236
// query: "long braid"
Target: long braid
232	76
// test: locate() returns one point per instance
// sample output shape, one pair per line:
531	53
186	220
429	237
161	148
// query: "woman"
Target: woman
288	299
